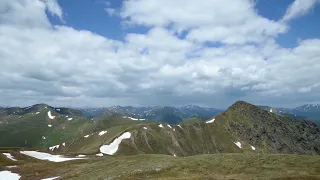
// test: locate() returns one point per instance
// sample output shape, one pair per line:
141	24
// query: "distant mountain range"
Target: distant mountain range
305	112
172	115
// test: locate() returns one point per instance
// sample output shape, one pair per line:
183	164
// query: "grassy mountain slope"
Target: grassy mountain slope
255	129
269	131
32	127
214	166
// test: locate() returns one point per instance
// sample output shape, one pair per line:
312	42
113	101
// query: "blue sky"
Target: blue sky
91	15
159	52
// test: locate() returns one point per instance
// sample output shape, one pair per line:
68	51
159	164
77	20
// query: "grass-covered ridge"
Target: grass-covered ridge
213	166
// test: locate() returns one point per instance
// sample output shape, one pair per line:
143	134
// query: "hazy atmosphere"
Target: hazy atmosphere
150	52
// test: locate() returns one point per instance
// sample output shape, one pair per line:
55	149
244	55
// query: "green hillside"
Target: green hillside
242	128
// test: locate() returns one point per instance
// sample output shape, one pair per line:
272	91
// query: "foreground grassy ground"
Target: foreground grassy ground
213	166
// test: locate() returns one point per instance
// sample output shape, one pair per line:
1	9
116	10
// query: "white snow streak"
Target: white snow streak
69	119
102	133
160	125
9	156
238	144
50	115
43	137
46	156
145	128
113	147
86	136
37	112
81	155
52	178
100	154
8	175
169	126
179	126
53	147
49	125
270	110
63	144
253	148
211	121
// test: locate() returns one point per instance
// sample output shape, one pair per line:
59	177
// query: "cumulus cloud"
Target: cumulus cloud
299	8
60	65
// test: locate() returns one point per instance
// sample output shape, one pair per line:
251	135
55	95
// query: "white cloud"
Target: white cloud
54	8
228	21
299	8
110	11
63	66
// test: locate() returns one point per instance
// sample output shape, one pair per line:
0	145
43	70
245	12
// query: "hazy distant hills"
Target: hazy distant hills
305	112
171	115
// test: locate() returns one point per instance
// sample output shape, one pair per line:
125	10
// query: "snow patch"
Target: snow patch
8	175
238	144
211	121
100	154
37	112
53	147
43	137
50	115
102	133
134	119
113	147
9	156
174	129
49	125
52	178
63	144
174	155
86	136
160	125
81	155
145	128
180	126
46	156
253	148
69	119
270	110
169	126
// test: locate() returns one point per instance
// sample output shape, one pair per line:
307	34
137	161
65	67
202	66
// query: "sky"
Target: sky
94	53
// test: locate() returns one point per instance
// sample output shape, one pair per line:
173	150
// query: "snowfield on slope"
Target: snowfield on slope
47	156
8	175
50	115
211	121
113	147
9	156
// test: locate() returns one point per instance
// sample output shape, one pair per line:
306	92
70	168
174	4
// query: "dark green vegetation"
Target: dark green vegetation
214	166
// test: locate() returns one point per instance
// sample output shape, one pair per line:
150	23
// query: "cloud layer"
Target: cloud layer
190	55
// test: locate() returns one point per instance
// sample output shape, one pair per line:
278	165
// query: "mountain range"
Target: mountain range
131	139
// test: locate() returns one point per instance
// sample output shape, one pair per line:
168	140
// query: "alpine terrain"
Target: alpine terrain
64	143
